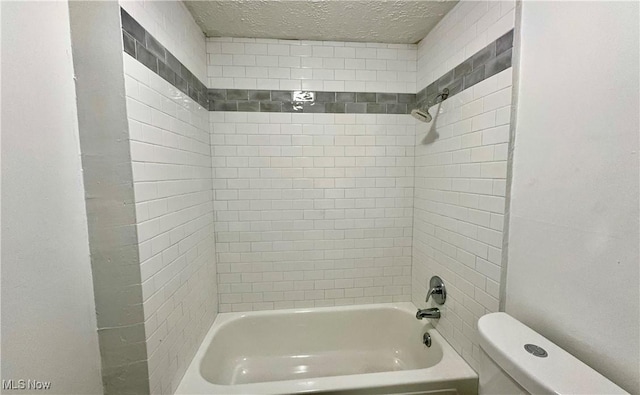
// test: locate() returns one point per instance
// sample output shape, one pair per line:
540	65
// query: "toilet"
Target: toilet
517	360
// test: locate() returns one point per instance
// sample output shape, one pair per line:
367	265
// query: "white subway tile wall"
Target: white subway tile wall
460	179
170	151
459	207
466	29
249	63
312	209
317	209
172	25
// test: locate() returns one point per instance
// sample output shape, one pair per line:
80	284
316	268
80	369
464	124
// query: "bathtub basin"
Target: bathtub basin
371	349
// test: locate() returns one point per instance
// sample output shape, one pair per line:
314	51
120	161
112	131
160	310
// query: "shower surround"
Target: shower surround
296	194
336	202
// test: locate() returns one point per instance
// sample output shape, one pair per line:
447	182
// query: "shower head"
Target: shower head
420	115
423	115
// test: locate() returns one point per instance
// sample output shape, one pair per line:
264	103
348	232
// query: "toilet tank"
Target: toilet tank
517	360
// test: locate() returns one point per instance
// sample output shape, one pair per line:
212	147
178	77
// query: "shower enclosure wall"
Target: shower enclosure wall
330	202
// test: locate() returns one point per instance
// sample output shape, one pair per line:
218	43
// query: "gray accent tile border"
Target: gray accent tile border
148	51
325	102
485	63
138	43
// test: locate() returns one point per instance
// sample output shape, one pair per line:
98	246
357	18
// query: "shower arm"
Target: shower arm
442	96
422	113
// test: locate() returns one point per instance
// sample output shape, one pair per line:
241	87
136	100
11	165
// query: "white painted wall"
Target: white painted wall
172	181
460	175
573	262
48	312
312	209
255	63
171	23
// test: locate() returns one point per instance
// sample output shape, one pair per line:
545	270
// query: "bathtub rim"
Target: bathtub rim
450	369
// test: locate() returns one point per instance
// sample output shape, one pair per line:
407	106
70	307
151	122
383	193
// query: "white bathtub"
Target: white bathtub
371	349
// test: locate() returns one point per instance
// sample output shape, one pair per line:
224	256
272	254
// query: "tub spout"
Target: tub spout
428	313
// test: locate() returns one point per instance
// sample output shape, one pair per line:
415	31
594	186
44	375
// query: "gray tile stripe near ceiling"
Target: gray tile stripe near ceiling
325	102
148	51
485	63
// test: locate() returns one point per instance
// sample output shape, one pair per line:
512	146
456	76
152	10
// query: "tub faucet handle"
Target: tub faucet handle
437	289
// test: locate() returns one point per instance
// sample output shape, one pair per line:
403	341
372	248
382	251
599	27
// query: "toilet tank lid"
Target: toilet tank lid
503	338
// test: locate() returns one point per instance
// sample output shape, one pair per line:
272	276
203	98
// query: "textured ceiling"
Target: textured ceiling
386	21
